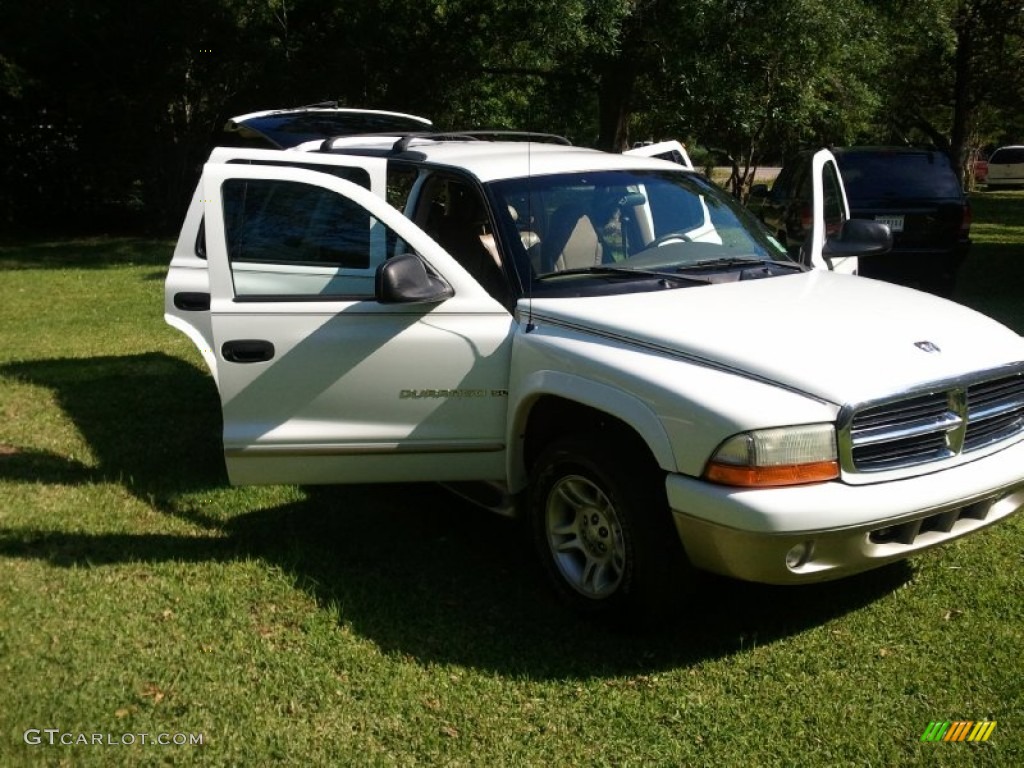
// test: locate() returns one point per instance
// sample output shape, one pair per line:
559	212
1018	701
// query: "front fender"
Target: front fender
683	409
615	402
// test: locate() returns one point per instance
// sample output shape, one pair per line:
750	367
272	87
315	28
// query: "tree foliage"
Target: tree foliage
107	108
956	73
763	76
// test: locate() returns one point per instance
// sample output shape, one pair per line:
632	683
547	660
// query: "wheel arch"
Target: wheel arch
199	339
558	405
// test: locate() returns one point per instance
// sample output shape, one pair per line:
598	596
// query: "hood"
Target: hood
841	338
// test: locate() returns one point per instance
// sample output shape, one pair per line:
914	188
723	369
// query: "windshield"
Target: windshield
600	224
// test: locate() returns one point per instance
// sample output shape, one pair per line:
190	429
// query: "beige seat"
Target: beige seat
572	241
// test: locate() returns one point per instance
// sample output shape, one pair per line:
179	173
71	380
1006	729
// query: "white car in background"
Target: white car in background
1006	167
605	344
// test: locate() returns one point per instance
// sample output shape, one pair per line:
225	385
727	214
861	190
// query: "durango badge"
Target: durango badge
927	346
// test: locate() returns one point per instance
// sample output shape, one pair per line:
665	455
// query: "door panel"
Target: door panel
670	150
319	382
830	209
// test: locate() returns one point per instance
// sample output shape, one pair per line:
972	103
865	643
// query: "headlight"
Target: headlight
783	456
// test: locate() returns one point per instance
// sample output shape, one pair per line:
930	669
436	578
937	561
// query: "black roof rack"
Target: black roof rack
404	139
403	143
549	138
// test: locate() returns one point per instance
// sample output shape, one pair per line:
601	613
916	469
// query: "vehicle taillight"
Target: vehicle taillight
965	222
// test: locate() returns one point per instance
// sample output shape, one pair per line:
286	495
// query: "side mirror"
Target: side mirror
759	191
859	237
405	280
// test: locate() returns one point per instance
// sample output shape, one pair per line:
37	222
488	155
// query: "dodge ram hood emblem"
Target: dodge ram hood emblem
927	346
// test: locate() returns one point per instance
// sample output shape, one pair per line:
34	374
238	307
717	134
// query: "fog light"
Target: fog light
799	555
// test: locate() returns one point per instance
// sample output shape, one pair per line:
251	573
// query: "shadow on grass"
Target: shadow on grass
85	253
418	571
151	420
990	282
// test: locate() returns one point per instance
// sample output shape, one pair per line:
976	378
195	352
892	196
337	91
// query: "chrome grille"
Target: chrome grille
995	411
930	426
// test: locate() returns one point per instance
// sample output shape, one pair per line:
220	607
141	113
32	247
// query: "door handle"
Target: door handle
192	302
247	351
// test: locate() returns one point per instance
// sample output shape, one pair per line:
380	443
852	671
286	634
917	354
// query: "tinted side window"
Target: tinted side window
782	183
1007	156
200	249
803	189
286	238
672	155
355	175
833	201
290	129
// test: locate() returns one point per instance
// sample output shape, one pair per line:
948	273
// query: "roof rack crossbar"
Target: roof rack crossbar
405	139
403	143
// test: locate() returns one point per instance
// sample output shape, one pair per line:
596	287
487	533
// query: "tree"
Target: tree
757	76
957	74
108	108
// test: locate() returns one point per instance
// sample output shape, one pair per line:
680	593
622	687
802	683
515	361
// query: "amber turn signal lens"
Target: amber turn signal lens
767	477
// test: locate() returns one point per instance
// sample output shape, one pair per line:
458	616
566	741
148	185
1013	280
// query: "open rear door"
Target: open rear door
285	128
672	151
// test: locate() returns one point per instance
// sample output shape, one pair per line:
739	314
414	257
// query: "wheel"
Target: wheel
603	532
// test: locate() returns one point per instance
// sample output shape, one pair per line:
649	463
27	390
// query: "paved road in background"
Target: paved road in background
764	175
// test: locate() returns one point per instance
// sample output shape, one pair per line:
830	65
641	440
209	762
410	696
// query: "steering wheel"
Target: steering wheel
670	237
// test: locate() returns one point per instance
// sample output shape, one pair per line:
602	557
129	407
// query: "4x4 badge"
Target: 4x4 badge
927	346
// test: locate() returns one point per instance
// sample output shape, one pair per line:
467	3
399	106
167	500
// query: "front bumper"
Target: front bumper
830	530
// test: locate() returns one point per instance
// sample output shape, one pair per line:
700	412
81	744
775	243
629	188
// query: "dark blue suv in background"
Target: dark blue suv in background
914	191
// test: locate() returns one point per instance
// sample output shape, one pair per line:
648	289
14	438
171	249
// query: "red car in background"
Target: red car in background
980	170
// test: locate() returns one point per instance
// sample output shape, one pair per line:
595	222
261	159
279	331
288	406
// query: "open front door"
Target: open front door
319	381
831	210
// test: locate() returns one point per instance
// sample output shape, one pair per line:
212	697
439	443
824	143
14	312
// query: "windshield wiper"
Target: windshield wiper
607	271
733	261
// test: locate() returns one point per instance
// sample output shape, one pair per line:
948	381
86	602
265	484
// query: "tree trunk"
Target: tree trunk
962	105
614	97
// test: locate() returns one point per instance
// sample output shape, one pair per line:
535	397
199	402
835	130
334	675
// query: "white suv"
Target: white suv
604	343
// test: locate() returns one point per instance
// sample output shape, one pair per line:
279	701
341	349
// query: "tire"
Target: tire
601	527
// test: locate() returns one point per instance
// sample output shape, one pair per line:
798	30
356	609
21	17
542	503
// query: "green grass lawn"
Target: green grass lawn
396	625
